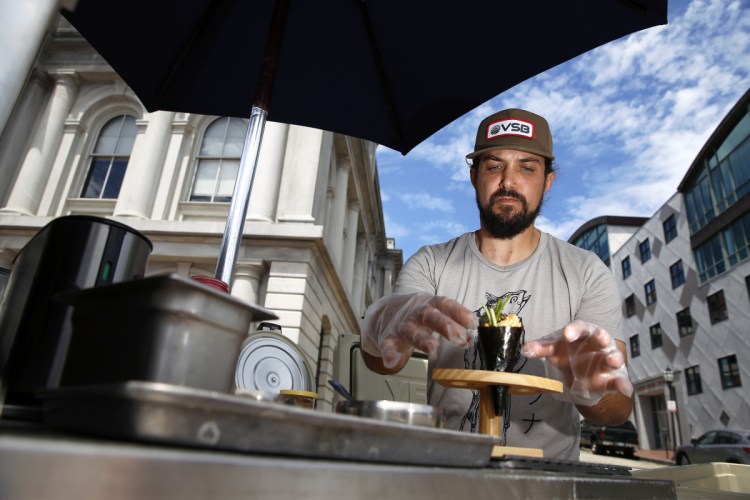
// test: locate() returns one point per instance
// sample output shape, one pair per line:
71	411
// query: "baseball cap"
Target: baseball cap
514	129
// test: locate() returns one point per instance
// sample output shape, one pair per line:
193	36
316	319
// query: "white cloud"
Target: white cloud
561	230
439	230
449	227
393	228
427	201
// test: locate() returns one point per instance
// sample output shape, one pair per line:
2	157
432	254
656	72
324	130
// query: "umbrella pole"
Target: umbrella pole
243	185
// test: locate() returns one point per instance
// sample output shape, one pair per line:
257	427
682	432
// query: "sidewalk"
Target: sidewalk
661	456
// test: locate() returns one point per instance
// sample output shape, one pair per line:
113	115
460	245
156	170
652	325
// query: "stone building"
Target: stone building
314	251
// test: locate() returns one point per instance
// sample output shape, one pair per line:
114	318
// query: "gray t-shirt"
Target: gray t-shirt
555	285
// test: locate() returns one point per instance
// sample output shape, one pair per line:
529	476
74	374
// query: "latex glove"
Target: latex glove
586	355
394	326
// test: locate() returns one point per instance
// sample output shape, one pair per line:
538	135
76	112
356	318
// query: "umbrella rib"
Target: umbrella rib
381	72
195	35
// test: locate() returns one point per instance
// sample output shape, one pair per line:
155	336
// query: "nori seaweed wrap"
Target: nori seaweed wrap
500	350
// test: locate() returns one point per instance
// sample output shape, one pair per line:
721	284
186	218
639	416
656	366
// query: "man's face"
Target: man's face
510	187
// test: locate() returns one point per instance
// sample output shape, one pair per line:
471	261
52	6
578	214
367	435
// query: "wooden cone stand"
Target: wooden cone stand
484	381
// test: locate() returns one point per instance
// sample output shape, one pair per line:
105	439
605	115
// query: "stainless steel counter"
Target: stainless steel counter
38	463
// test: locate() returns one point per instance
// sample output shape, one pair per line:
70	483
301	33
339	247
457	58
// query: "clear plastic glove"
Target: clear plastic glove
588	359
394	326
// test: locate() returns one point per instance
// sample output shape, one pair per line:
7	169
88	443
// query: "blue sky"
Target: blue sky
627	119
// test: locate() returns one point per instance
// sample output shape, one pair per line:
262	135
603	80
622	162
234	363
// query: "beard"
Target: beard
506	224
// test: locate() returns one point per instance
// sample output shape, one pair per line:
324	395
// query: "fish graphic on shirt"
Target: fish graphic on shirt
514	302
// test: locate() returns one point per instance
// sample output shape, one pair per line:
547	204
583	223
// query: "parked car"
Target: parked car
609	438
719	445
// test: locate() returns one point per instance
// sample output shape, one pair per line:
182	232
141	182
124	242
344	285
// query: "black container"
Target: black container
69	253
500	351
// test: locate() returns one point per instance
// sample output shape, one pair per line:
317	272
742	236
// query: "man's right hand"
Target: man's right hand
395	326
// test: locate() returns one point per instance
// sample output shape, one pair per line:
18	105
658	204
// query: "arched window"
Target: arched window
109	158
218	160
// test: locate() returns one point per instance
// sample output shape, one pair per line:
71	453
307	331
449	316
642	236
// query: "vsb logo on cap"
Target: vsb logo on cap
510	127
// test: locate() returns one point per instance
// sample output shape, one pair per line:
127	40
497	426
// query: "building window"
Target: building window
670	228
729	372
700	208
645	248
677	274
110	157
717	307
626	267
635	346
650	289
656	336
724	250
597	241
693	380
723	179
709	258
736	240
630	305
218	160
685	322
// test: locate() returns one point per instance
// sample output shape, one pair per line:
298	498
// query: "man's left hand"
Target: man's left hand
588	358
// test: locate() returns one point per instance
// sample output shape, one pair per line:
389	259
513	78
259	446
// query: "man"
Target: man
565	296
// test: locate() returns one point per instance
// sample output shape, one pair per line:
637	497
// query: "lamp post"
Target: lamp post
669	378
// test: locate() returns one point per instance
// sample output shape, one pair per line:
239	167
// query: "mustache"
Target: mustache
506	193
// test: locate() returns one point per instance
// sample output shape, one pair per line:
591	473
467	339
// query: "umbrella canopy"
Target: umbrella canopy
390	71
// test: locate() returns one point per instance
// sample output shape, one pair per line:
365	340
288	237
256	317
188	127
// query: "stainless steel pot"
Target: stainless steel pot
164	328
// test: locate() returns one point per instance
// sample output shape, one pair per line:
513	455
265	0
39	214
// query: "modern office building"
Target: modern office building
684	278
314	248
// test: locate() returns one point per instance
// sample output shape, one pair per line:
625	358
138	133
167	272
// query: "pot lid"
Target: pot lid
270	362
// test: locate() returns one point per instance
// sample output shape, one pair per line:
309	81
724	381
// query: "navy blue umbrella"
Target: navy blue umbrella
390	71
